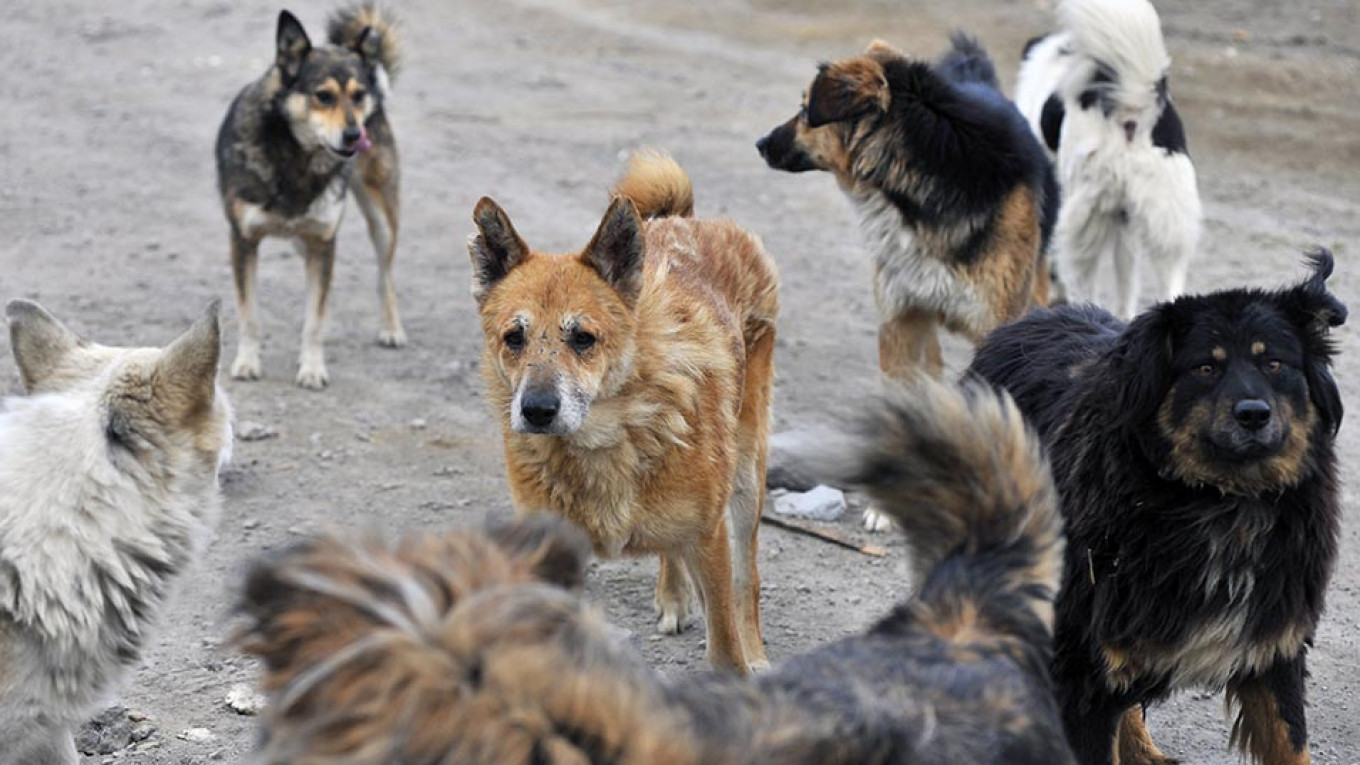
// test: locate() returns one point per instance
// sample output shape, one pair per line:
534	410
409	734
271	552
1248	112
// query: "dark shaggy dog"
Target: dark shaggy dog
1193	451
475	648
956	198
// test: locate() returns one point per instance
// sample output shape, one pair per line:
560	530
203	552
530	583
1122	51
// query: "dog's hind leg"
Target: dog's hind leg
710	563
909	344
377	193
48	746
674	596
1126	276
320	255
1133	743
748	493
1270	724
245	257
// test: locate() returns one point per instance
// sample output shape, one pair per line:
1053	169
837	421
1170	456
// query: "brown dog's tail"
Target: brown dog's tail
967	481
657	184
467	647
370	31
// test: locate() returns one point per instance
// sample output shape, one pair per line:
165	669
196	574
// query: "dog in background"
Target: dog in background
292	144
477	648
1193	451
108	489
954	195
633	381
1096	94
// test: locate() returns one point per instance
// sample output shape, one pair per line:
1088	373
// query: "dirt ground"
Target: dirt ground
108	215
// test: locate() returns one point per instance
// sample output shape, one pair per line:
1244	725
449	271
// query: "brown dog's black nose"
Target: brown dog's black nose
1252	413
763	146
351	135
540	407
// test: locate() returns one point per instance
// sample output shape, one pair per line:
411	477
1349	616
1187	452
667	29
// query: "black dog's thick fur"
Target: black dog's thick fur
1188	563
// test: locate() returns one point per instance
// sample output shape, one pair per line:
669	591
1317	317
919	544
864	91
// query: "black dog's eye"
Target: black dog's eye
325	98
1205	370
359	96
1274	366
582	341
514	339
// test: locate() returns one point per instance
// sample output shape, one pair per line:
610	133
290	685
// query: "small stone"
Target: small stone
196	735
251	523
822	503
418	423
243	700
143	732
138	717
107	733
254	431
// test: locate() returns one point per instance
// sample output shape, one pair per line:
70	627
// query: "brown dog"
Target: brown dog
633	383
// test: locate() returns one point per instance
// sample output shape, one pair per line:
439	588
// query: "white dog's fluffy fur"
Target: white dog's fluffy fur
108	489
1095	93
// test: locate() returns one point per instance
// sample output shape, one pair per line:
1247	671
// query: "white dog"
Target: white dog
1096	93
108	488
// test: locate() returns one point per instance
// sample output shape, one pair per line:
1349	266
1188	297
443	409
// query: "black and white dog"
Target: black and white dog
1096	93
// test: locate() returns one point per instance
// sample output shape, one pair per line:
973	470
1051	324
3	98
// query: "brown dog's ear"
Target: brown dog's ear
293	45
846	89
616	251
882	48
495	249
39	342
555	550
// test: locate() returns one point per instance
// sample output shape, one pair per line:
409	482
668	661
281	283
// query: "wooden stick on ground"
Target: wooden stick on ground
826	535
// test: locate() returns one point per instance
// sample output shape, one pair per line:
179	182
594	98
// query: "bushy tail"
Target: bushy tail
1124	35
966	479
657	185
967	61
468	647
370	30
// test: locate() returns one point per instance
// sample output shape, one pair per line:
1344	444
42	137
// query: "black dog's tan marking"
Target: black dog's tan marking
470	647
1194	453
290	147
955	196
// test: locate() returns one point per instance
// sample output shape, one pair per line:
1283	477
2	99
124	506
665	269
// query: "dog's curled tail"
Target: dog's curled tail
371	31
967	480
657	184
967	61
1124	35
469	646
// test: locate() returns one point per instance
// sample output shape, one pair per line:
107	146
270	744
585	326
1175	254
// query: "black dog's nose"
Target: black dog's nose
540	407
1252	413
763	146
351	135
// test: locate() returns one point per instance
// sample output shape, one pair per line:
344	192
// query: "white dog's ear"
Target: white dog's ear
39	341
495	248
186	373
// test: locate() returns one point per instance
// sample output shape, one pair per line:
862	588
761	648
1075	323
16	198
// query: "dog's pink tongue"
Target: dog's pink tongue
363	144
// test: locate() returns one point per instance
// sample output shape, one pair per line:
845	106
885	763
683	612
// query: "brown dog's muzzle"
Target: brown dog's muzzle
781	151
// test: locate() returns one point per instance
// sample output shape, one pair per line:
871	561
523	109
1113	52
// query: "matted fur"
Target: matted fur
1200	541
633	385
108	488
292	145
475	647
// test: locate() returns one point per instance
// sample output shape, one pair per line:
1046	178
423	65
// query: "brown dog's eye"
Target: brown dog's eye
582	341
1274	366
514	339
1205	370
325	97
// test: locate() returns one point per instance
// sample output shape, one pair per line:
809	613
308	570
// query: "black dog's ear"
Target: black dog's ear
293	46
1315	311
846	89
557	551
616	251
495	248
1140	366
369	45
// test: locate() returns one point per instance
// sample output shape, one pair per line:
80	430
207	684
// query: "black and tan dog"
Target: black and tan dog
955	196
1193	450
292	144
477	648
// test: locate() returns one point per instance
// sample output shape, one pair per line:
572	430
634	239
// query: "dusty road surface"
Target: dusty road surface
108	215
